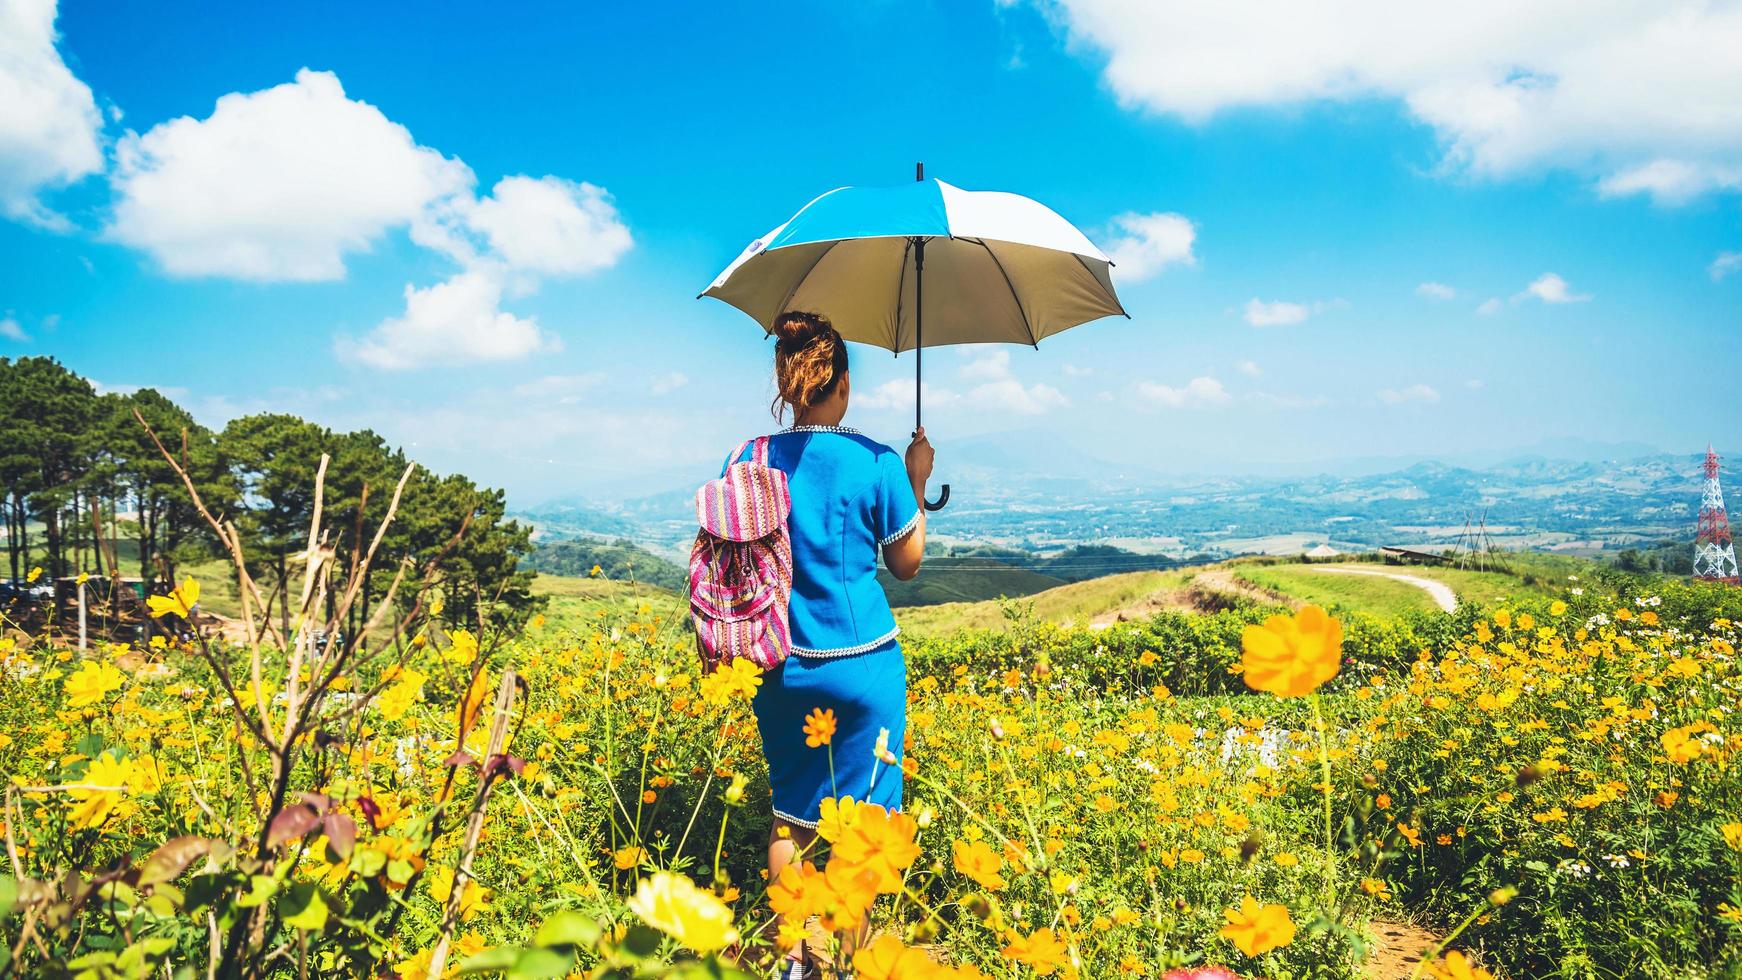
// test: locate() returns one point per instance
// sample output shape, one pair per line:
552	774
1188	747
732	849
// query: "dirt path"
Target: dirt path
1440	592
1401	947
1207	591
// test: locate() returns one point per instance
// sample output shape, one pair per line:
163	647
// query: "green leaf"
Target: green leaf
172	858
8	895
538	964
567	928
304	908
368	862
494	960
640	942
399	871
260	888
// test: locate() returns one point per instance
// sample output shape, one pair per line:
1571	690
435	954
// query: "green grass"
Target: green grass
576	603
1078	602
1528	575
965	580
1368	593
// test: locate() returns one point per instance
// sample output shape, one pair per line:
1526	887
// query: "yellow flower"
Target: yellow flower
836	816
627	857
738	678
180	602
1676	744
819	727
91	683
980	862
1457	967
99	792
1557	608
35	573
1257	929
462	649
891	959
695	918
1041	950
880	842
406	691
1733	835
473	898
1291	656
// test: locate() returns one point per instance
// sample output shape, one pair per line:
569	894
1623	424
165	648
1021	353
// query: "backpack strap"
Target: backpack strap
733	458
760	454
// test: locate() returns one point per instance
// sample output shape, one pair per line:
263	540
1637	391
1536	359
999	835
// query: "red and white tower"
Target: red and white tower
1714	553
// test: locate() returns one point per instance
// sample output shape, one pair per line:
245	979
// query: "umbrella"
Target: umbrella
1003	269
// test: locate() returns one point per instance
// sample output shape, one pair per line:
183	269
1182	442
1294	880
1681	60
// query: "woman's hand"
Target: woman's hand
919	459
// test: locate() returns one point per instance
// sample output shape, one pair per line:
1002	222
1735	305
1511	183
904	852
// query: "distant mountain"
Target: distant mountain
1598	496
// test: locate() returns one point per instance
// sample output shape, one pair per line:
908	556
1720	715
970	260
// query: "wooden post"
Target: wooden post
474	822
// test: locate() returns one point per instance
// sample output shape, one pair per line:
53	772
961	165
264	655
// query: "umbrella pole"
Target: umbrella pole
918	353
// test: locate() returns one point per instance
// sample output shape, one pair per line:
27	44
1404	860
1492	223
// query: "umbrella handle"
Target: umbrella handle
943	498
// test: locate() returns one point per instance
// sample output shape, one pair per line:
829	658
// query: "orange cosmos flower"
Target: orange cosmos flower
819	727
1257	929
979	862
1457	967
891	959
1292	655
1041	950
879	842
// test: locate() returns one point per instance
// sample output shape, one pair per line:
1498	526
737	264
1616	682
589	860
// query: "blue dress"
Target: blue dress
850	497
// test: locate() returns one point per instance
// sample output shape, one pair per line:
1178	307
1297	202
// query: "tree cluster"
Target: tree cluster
87	490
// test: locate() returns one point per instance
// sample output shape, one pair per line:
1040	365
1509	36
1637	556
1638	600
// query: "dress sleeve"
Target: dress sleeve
894	512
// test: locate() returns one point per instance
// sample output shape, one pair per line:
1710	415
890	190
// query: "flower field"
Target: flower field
1245	790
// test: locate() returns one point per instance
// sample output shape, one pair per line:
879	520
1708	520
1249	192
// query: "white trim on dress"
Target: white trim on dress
845	430
905	530
846	651
789	818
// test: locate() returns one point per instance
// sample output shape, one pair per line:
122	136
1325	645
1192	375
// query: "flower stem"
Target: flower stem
1325	774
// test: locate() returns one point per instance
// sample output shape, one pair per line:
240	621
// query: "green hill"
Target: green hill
619	560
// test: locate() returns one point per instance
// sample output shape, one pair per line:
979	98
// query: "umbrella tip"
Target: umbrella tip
919	171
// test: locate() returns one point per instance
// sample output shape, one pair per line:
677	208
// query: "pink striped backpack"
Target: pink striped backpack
741	565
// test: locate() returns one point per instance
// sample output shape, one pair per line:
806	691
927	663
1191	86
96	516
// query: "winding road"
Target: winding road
1441	593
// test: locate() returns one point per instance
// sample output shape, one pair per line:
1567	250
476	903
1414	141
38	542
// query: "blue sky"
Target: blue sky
1392	244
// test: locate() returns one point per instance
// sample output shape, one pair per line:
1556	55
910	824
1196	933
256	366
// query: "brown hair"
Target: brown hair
809	359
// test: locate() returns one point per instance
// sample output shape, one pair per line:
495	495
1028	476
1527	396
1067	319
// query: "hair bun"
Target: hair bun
796	330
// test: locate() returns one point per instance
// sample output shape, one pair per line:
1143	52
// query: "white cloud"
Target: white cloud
1436	290
1249	369
1202	392
558	389
1724	264
1145	244
283	184
1013	397
1646	94
1489	307
550	225
274	185
1275	314
10	329
666	384
992	389
50	129
172	392
1077	371
1671	181
987	364
459	321
1474	383
897	394
1551	288
1421	394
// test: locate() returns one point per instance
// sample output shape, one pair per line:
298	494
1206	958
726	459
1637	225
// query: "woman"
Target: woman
851	497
